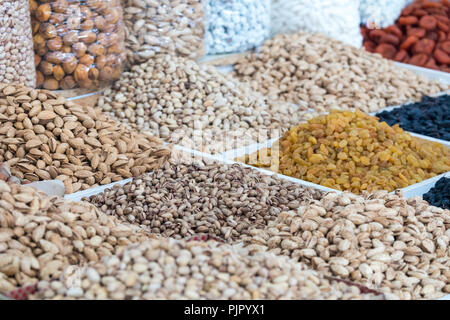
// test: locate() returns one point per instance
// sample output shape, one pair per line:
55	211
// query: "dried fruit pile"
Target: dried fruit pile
176	99
41	236
352	151
420	36
439	195
170	269
328	74
382	241
179	200
430	117
43	136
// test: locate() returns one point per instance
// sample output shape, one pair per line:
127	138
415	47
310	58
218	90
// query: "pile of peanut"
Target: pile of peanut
353	151
77	43
382	241
420	36
180	101
328	74
43	136
179	200
41	236
171	269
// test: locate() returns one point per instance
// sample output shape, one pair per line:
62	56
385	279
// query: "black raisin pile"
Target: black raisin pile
439	195
430	117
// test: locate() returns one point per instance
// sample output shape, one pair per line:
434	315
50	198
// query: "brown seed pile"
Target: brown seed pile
179	200
183	102
163	26
16	43
171	269
43	136
5	175
382	241
353	151
330	74
41	236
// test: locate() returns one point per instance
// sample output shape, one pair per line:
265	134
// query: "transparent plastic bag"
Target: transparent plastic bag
236	25
338	19
380	13
163	26
77	43
16	44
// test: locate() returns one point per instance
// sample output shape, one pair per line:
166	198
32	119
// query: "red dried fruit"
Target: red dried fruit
420	13
418	32
445	46
424	46
432	35
411	40
365	32
418	59
370	46
431	64
389	38
441	56
442	26
376	34
428	22
407	11
388	51
394	30
409	20
430	4
442	36
401	55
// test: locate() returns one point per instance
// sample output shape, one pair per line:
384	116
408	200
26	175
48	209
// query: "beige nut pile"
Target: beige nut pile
195	105
43	136
382	241
327	74
16	44
41	236
179	200
163	26
171	269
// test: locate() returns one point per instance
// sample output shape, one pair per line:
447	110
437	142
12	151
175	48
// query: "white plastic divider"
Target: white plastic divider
84	95
419	189
77	196
443	77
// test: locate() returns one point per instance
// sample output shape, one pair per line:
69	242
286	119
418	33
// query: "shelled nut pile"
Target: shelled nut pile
5	174
41	236
170	269
353	151
43	136
180	101
329	74
164	26
382	241
179	200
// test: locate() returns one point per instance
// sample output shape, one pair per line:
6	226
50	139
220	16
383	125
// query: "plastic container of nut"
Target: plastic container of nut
236	25
77	44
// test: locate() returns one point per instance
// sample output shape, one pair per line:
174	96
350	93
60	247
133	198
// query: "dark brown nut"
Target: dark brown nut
86	13
43	12
87	37
58	73
104	39
39	41
54	44
55	57
87	83
48	30
51	84
66	49
57	19
88	25
69	64
37	60
73	23
101	61
60	6
87	60
114	49
34	25
70	38
81	73
33	5
93	74
96	49
112	15
106	74
46	68
79	49
39	78
68	83
41	51
100	23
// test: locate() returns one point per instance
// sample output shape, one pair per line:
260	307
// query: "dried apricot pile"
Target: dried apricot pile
353	151
420	36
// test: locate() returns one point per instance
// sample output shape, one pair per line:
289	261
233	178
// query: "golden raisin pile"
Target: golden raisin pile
353	151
